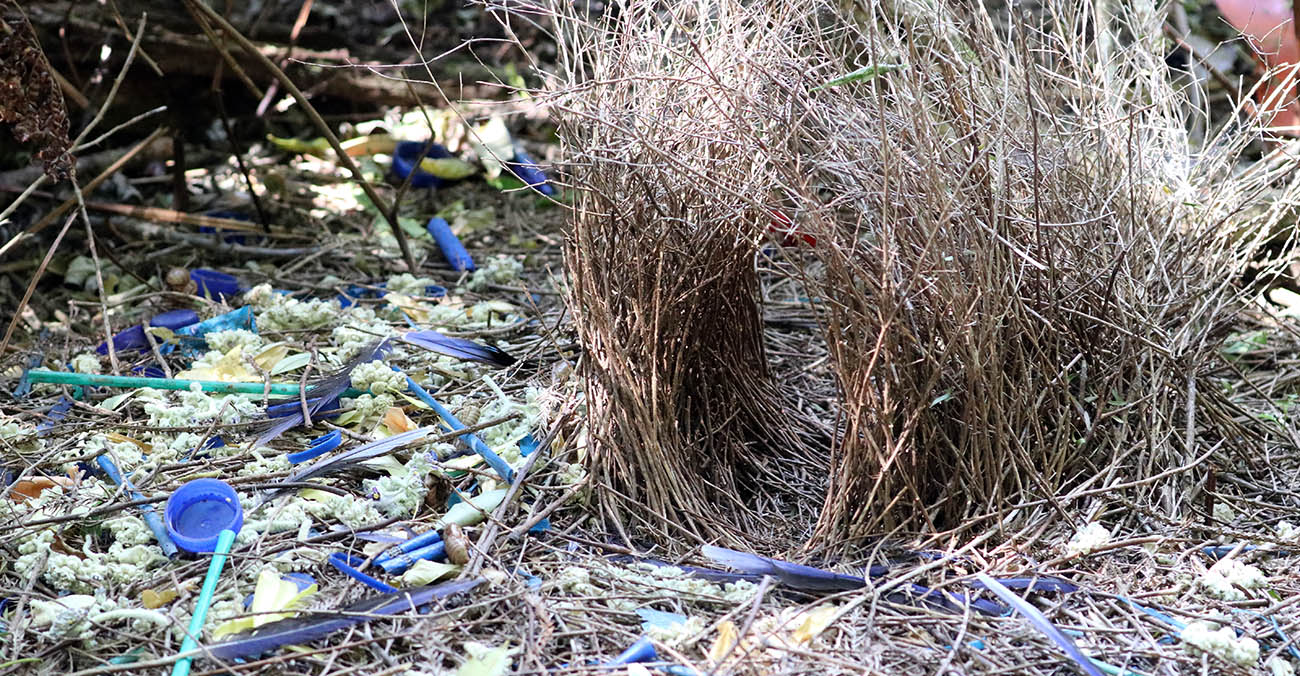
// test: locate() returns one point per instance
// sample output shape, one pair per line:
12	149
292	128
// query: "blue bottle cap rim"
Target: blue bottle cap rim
195	492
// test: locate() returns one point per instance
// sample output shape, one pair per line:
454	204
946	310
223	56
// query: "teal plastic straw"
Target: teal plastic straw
225	540
92	380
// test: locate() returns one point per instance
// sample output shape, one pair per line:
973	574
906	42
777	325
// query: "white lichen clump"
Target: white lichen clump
409	285
502	269
1228	578
402	492
86	362
1221	641
279	312
1088	539
225	341
378	378
1277	666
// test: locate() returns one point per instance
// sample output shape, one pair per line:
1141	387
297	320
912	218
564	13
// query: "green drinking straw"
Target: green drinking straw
92	380
225	540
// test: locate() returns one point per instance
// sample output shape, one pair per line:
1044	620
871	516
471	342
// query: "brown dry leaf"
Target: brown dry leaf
28	489
396	420
29	95
457	545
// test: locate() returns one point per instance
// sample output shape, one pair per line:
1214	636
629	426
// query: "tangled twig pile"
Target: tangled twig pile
1023	270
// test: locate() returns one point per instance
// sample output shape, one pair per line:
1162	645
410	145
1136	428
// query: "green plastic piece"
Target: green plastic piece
225	540
92	380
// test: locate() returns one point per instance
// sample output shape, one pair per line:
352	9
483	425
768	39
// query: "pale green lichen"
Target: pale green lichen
402	492
378	378
86	362
223	342
500	269
409	285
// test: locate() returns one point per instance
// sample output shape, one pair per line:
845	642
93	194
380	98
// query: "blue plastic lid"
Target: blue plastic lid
199	510
406	156
214	284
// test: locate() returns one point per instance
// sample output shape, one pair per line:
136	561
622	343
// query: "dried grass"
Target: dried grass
688	427
1025	271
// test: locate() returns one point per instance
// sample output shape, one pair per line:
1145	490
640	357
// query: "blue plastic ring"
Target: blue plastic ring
319	446
346	562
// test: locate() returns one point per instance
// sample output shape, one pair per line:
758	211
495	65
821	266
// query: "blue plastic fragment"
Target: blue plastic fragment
452	250
147	512
228	236
528	444
501	467
641	651
56	413
400	563
346	564
215	285
192	336
525	169
134	339
658	619
406	156
318	446
423	540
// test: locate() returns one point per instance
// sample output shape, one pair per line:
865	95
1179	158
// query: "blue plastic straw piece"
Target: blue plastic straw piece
501	467
421	540
457	257
398	564
147	512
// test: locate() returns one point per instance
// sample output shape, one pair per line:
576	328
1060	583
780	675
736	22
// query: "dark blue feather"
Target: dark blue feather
1039	584
309	628
459	348
321	394
1040	622
793	575
341	461
525	169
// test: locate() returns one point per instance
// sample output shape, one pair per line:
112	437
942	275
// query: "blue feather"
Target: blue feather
803	578
374	449
459	348
322	393
1039	584
304	629
1041	622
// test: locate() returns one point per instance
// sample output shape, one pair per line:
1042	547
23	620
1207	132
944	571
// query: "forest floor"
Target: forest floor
229	247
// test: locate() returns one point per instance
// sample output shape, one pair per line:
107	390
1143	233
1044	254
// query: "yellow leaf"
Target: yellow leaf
414	309
151	599
272	594
814	623
228	369
725	644
292	362
270	355
427	572
448	168
317	146
373	144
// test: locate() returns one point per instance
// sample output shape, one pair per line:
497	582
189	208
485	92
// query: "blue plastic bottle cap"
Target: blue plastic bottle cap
199	510
214	284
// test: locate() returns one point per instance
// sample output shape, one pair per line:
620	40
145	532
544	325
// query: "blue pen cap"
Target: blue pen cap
199	510
214	284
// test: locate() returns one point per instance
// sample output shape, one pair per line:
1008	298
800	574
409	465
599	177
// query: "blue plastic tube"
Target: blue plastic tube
452	249
501	467
147	512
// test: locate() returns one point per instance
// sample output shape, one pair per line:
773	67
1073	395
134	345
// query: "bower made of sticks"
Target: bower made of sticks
1021	272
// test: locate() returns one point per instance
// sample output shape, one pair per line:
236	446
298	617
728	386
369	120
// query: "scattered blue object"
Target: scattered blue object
1038	584
346	564
658	619
422	540
56	413
147	512
641	651
457	257
199	510
213	284
406	157
402	561
525	169
501	467
318	446
134	339
228	236
193	336
459	348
